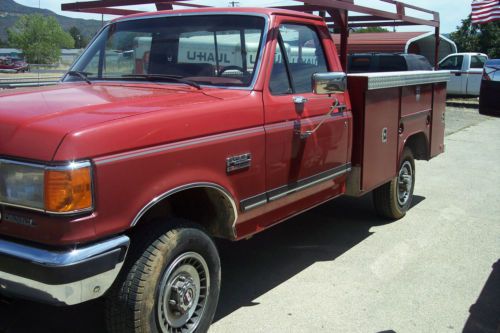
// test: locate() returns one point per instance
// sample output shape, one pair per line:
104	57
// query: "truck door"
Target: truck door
294	163
474	74
458	80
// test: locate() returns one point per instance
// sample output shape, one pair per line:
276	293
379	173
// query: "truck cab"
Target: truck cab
466	71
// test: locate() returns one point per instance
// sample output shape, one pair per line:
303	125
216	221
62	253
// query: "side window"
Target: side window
304	54
121	53
124	53
279	83
477	62
452	63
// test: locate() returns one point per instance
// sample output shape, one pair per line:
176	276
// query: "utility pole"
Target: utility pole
234	3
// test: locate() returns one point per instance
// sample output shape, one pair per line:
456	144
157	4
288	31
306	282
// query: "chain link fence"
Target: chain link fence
38	75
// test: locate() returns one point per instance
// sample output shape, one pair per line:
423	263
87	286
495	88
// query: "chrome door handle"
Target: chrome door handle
299	99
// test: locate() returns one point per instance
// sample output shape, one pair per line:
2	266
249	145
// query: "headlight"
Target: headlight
64	189
21	185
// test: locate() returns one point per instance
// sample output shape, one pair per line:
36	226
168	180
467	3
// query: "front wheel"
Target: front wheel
393	199
170	285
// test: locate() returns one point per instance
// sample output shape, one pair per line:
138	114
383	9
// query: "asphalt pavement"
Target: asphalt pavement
339	268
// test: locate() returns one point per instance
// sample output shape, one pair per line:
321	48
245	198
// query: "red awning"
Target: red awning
389	42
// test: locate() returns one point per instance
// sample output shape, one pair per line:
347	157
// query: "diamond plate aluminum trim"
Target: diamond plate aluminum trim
403	79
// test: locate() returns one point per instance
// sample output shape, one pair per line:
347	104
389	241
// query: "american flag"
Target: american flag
484	11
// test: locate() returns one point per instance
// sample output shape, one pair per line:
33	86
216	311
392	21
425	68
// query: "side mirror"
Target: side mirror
329	83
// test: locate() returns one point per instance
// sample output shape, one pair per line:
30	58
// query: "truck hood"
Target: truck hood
34	122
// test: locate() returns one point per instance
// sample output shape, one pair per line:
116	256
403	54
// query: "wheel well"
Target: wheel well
419	146
209	207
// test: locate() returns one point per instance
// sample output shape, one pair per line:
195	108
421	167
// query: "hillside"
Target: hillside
10	11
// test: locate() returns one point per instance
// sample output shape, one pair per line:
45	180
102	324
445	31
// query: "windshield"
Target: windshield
220	50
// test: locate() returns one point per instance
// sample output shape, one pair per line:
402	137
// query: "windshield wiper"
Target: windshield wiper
81	75
164	77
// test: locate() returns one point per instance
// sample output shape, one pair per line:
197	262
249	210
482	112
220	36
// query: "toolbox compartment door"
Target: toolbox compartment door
380	144
438	119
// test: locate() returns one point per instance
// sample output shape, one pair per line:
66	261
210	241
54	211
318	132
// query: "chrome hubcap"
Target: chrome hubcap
183	294
405	183
184	291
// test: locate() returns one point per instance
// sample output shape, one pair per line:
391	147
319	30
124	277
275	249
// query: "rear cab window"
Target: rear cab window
452	63
360	64
477	62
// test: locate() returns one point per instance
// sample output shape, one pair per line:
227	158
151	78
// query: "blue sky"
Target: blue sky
451	11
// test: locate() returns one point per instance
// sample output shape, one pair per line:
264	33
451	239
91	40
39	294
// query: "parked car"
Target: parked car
11	64
387	62
466	70
489	97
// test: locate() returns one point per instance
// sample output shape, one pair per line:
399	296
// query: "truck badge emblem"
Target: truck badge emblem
238	162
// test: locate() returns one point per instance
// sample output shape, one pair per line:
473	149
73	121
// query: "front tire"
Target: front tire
171	283
393	199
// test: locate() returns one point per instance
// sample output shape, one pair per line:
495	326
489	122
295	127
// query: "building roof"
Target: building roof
10	50
390	42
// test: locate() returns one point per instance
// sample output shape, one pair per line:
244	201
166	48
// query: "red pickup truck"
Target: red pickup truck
174	128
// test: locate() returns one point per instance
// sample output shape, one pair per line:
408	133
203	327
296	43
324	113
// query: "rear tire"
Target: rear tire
393	199
171	282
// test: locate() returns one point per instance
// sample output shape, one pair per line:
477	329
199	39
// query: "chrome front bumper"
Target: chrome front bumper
61	277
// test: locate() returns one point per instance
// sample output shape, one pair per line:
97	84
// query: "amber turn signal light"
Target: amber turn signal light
68	190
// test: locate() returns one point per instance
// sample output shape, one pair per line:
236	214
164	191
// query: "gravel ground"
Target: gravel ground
458	118
355	273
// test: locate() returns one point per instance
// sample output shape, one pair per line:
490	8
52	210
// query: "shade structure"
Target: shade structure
398	42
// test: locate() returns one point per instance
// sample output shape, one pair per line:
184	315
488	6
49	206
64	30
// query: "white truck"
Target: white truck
466	71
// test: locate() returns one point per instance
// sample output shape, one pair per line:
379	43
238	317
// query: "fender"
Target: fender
416	141
171	192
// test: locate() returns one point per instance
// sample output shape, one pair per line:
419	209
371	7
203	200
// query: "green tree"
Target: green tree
483	38
40	37
80	40
3	43
370	29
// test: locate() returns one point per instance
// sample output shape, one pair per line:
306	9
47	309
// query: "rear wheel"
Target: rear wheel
171	284
393	199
